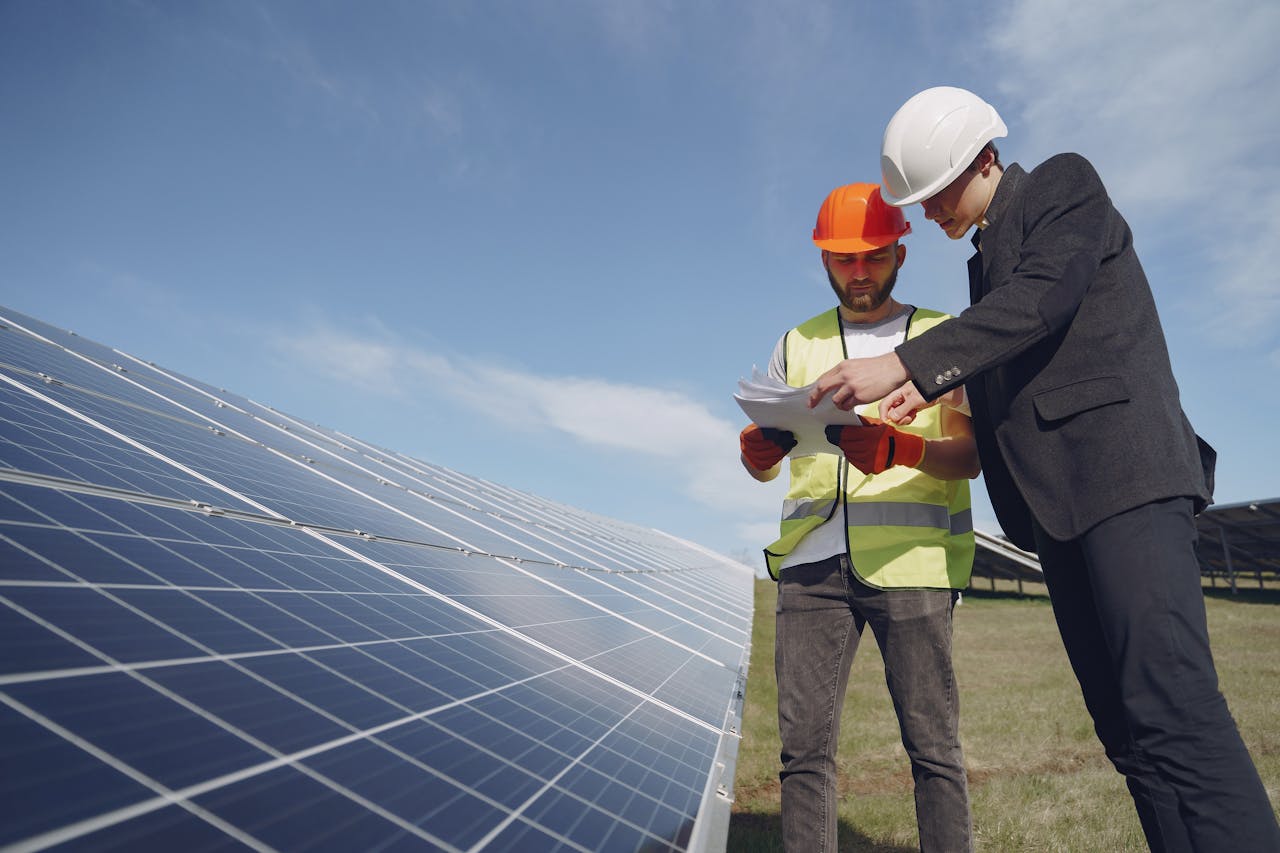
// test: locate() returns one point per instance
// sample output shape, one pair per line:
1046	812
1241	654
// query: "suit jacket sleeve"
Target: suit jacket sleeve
1062	227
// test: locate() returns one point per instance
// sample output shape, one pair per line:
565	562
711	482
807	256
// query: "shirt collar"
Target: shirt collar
1009	181
999	203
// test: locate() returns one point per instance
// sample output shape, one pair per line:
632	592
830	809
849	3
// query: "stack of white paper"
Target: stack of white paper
771	403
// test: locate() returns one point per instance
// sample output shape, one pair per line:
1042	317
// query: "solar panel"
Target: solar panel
998	559
222	627
1239	543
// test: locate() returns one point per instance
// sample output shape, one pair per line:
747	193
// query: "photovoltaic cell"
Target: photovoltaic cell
224	628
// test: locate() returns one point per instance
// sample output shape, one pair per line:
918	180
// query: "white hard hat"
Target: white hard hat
931	139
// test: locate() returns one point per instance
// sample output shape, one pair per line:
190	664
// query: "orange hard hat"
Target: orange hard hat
854	218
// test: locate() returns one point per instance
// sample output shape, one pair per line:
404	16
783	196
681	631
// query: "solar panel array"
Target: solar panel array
1239	544
998	559
225	628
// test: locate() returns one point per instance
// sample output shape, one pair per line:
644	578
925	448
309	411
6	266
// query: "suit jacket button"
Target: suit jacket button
938	380
955	371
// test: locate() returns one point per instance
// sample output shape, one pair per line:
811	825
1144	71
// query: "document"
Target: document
771	403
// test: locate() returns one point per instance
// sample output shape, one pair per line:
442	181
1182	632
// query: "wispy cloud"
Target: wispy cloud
635	26
154	299
403	98
1177	96
442	107
650	423
782	56
1177	109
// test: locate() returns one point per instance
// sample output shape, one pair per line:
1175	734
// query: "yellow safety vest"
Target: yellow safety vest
903	527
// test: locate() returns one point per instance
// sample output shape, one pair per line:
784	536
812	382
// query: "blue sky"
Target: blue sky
539	242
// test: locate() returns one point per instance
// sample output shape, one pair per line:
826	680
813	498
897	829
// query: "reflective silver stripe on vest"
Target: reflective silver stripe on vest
884	514
793	510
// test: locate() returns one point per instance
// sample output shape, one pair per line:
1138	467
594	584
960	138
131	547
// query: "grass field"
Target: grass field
1038	779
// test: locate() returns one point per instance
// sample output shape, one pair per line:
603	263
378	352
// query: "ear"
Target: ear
825	255
986	159
902	255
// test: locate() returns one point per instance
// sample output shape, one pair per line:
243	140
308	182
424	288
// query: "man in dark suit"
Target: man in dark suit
1088	457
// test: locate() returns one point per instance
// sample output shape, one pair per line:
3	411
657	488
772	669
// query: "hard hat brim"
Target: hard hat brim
921	195
925	194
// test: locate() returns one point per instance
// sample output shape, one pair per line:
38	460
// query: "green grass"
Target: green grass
1038	779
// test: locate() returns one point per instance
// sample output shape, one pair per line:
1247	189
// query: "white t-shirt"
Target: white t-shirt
860	341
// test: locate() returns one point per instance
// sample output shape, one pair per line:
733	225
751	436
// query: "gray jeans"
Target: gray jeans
822	608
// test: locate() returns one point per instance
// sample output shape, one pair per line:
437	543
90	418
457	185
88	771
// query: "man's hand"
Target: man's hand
900	406
859	380
764	447
877	447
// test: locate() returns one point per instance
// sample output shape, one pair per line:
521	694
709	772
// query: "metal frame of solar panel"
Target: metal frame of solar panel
1239	544
224	628
996	558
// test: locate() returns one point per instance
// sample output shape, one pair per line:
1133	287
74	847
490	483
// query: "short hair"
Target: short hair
995	157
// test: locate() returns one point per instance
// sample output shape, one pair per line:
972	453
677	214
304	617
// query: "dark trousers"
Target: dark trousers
1127	599
822	609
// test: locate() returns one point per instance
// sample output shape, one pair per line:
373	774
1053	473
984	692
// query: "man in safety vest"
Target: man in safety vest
878	531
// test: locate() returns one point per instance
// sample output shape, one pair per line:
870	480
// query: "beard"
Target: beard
864	302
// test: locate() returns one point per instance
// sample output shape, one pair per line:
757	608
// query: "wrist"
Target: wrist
900	374
908	449
956	399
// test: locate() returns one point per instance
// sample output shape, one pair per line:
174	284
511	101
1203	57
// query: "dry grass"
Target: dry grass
1038	778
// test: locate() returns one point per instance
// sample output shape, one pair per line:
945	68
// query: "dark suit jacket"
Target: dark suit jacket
1075	407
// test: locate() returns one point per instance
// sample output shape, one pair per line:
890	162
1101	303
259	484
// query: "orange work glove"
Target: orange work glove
876	447
764	447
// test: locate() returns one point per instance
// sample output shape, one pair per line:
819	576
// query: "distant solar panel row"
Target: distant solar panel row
1238	543
223	628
